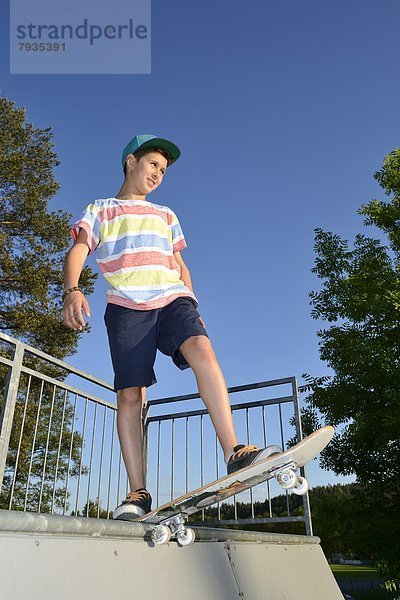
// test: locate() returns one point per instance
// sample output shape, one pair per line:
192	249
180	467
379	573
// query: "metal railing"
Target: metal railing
55	438
60	454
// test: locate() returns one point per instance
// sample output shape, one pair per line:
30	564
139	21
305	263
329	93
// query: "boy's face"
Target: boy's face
147	173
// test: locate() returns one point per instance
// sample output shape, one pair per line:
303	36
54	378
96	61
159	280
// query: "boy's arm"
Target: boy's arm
185	273
185	276
75	302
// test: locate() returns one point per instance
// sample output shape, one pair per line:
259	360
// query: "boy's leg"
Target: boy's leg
132	338
130	432
198	352
200	355
182	335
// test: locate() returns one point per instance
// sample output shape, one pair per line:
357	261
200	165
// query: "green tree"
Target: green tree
33	240
93	510
360	299
33	243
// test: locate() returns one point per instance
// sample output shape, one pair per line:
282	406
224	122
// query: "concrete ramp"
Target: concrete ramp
47	557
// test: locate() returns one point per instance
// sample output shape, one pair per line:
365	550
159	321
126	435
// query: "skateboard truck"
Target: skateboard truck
173	527
286	477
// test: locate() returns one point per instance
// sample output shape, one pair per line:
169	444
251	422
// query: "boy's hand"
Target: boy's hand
74	303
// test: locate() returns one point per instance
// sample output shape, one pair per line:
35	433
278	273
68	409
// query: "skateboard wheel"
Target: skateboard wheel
301	487
161	534
287	479
186	537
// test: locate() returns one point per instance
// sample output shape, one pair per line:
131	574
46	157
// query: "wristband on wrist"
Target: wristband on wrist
73	289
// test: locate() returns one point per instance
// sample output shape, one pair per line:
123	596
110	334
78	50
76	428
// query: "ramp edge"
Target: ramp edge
28	522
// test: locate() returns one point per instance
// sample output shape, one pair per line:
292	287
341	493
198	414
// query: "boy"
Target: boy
150	305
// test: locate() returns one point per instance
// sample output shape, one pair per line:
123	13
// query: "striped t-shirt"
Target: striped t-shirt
135	242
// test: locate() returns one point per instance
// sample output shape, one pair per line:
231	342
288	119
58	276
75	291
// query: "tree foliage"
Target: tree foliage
43	451
360	299
33	240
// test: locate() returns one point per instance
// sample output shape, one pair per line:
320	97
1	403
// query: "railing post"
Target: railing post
306	497
145	415
8	406
297	415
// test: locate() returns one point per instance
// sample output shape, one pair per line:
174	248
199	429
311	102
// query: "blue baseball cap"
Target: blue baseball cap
150	141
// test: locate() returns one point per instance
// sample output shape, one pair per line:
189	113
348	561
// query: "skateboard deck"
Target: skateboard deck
169	519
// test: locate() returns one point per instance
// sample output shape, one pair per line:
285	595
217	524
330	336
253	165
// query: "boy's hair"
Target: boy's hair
143	151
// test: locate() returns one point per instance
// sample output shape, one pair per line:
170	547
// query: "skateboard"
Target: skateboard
170	519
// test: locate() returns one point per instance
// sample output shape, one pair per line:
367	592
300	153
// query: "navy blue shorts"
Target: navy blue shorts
134	336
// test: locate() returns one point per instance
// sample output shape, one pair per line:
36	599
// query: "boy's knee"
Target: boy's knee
198	348
131	396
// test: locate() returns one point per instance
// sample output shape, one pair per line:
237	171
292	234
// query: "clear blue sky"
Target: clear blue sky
283	112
